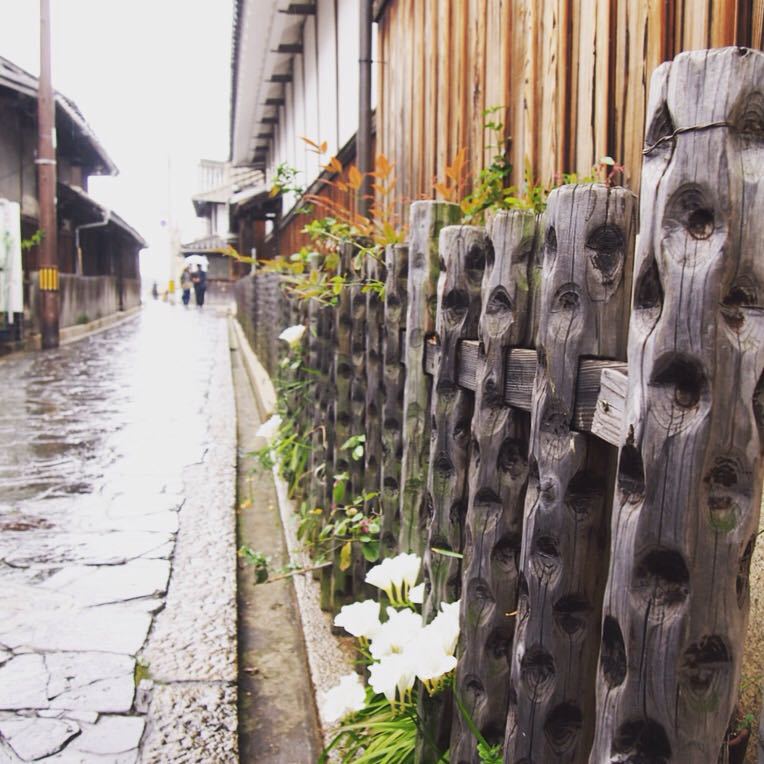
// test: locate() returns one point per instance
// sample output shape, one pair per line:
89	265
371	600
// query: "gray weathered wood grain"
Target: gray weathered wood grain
585	285
393	372
688	492
600	387
498	473
427	218
463	252
343	412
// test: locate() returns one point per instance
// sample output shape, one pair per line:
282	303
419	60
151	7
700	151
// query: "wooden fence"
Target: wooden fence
591	446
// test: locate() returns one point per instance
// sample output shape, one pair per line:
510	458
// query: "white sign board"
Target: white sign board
11	273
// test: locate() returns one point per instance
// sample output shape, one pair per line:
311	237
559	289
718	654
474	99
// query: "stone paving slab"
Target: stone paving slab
117	503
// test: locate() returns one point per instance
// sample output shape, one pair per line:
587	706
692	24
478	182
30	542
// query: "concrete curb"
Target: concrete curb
265	394
329	657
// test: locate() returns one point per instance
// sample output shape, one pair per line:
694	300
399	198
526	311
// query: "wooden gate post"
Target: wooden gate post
427	218
463	251
497	478
374	389
585	286
688	489
394	374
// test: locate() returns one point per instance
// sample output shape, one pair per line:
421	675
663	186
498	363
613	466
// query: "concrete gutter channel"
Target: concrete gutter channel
288	655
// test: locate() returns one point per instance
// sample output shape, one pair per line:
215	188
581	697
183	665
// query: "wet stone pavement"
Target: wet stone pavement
117	546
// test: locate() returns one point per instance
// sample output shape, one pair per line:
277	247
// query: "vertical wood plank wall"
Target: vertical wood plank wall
572	77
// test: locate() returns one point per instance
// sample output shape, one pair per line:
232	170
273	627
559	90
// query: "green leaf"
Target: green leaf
447	553
345	555
370	550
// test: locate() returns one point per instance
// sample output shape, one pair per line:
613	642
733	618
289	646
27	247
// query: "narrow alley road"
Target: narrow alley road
117	546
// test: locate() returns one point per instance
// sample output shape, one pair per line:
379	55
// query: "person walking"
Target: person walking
185	285
199	280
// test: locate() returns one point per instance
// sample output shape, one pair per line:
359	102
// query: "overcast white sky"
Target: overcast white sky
152	77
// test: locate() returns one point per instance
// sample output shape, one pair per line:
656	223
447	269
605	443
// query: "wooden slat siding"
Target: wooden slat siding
463	251
548	143
464	103
418	113
396	275
531	94
757	27
444	151
427	218
497	480
722	23
687	500
477	79
588	251
433	98
491	77
602	107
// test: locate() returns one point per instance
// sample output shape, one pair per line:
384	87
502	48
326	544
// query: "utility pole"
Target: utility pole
46	189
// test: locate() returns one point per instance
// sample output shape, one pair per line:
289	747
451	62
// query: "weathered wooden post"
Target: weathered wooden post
497	479
394	374
327	398
374	325
427	218
688	488
585	286
313	399
463	251
343	414
358	392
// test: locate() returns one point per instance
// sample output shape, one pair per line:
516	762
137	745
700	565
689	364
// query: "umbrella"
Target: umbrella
198	260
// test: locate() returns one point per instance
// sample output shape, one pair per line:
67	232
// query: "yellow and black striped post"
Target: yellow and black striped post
48	279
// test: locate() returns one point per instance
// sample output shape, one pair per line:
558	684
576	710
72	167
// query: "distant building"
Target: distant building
218	183
295	76
97	249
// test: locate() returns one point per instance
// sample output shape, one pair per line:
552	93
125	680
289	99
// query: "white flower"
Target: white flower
416	594
292	335
361	619
395	575
349	695
269	428
431	664
394	673
444	628
401	628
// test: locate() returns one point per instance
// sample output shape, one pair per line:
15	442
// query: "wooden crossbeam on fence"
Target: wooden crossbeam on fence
520	364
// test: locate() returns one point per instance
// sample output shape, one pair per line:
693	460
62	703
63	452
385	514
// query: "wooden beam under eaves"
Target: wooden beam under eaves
265	136
300	9
288	47
275	101
269	120
282	78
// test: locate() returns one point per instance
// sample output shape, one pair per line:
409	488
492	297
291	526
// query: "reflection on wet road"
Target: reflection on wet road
95	440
